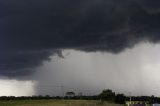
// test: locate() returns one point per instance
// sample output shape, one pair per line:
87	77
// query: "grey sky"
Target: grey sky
33	30
134	70
106	44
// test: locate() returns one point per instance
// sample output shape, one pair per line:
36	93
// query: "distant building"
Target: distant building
137	103
156	104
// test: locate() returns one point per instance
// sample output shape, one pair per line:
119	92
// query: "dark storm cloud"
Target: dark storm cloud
31	30
14	63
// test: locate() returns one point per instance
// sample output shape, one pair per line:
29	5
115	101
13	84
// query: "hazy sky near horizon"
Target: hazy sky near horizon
134	70
84	45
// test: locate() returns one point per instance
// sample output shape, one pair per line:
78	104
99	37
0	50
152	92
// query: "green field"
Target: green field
55	103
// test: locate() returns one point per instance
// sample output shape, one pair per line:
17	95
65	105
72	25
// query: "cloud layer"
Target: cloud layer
33	30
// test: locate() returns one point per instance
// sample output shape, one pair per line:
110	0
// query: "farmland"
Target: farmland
55	103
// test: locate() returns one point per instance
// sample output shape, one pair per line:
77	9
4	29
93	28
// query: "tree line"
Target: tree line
105	95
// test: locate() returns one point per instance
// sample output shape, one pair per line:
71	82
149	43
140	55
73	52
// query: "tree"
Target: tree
152	99
70	94
107	95
120	98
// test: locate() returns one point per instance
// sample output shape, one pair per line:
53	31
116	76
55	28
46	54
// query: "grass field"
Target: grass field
55	103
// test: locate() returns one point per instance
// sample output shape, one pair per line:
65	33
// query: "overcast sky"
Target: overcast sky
84	45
